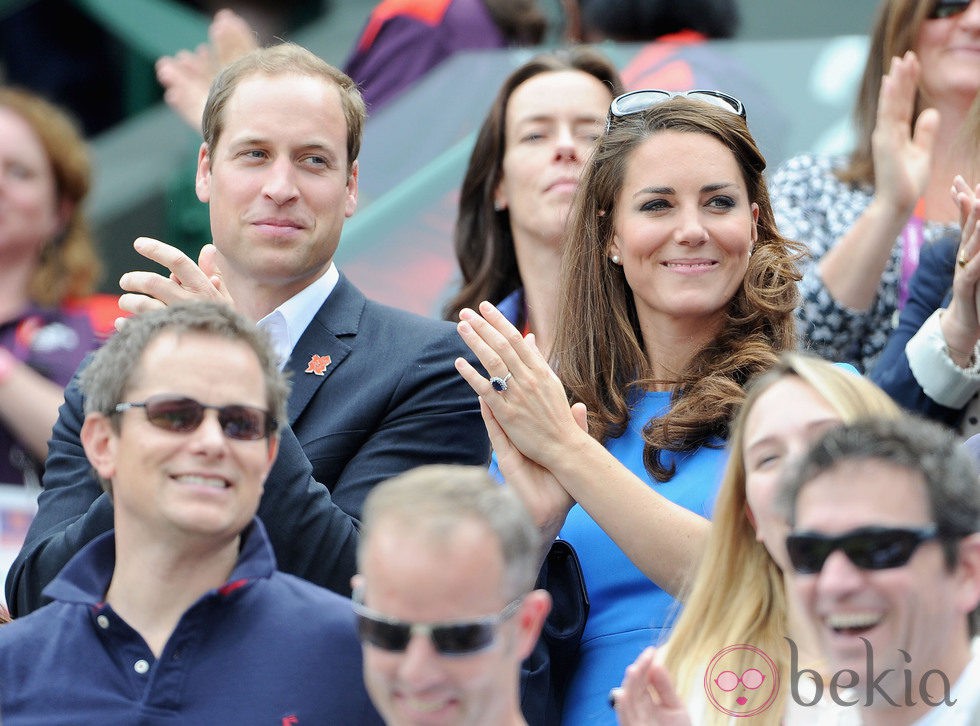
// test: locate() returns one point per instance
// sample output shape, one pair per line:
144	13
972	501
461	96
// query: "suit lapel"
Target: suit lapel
324	345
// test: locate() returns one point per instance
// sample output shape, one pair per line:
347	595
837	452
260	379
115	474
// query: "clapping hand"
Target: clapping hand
961	322
647	696
902	146
187	281
527	414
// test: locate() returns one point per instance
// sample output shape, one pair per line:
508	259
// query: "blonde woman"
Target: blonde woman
738	596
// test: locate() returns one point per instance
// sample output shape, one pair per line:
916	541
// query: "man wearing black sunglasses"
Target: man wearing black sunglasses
178	614
444	601
885	550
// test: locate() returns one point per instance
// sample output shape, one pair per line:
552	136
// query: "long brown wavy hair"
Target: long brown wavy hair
482	238
895	27
598	349
69	265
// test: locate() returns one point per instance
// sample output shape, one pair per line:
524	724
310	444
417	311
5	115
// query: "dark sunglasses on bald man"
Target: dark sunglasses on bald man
639	101
181	414
870	548
457	637
948	8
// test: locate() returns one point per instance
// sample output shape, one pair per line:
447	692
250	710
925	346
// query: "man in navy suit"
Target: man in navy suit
374	388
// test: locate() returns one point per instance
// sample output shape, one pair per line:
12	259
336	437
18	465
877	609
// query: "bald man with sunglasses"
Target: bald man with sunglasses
443	596
178	614
885	553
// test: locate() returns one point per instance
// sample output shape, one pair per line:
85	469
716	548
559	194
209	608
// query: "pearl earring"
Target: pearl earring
615	259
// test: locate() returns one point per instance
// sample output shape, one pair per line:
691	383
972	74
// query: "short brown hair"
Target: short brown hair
276	60
435	499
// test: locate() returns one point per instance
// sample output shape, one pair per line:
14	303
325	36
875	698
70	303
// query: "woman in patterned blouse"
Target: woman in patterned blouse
865	217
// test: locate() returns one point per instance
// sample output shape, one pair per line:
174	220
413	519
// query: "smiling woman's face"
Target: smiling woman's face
29	208
784	421
684	227
949	52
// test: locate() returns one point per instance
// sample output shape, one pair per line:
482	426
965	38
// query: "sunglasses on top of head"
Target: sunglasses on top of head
948	8
458	637
639	101
869	548
181	414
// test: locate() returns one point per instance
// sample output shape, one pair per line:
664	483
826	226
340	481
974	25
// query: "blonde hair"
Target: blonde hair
737	595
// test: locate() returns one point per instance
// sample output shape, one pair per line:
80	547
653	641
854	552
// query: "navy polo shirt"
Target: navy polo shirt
266	648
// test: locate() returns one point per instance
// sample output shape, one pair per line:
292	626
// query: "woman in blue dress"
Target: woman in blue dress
676	287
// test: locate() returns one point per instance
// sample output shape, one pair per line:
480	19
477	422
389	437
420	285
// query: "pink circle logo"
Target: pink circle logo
741	681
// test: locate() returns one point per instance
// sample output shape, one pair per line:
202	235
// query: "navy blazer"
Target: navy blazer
394	401
929	289
389	400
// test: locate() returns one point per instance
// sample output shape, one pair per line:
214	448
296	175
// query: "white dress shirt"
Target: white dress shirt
287	322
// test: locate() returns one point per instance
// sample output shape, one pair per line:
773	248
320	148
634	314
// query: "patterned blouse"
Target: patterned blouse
814	207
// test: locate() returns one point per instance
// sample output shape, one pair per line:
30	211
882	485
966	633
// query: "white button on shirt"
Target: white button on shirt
141	666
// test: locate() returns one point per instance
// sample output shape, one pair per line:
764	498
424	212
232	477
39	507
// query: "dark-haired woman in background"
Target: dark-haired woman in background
522	176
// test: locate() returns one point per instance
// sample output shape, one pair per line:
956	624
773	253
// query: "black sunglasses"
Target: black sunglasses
948	8
183	415
461	637
870	548
639	101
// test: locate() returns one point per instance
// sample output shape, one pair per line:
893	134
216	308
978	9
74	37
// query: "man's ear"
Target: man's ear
202	183
968	573
357	582
530	619
100	442
350	203
272	452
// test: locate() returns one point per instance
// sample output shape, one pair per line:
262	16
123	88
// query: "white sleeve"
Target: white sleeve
941	379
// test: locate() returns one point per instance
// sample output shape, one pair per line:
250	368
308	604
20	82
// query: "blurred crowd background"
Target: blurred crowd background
796	64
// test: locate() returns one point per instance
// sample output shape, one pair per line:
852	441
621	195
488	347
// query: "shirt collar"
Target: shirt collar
286	324
85	578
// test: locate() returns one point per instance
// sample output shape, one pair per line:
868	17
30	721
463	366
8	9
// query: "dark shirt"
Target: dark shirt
262	648
53	343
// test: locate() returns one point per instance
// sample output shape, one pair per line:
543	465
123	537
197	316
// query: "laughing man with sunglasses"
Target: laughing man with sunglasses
178	615
886	557
444	601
